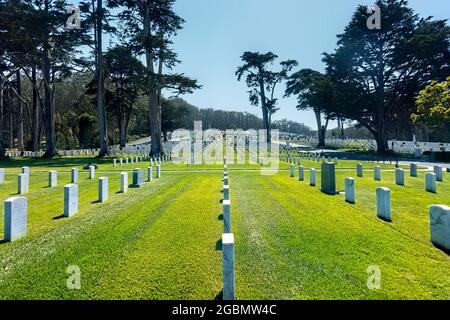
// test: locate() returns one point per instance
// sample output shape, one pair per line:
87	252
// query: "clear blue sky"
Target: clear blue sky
217	32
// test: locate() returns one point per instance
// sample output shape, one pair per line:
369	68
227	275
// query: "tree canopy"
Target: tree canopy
378	73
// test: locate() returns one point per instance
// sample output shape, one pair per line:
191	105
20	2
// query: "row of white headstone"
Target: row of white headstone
430	177
439	214
227	242
16	208
137	159
311	157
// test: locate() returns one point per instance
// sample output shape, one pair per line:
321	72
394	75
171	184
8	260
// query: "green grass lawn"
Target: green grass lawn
162	241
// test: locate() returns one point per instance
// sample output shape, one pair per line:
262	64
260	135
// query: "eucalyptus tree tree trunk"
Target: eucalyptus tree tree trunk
20	144
154	105
49	109
35	122
103	129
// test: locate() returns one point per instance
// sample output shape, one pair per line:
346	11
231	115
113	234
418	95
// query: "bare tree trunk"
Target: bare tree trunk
155	108
103	129
20	144
2	145
11	121
49	112
123	128
35	121
265	112
320	137
381	137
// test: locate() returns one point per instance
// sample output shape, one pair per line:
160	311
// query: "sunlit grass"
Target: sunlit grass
162	241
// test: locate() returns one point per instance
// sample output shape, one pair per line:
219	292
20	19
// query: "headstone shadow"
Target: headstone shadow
219	245
446	251
61	216
220	217
219	296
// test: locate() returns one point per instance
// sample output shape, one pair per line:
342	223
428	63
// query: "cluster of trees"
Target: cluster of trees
372	79
177	113
42	46
433	108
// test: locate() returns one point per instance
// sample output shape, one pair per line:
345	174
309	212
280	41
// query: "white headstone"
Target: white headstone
377	173
413	170
350	190
15	218
440	226
2	175
102	189
70	199
121	161
227	216
301	173
52	178
226	192
149	173
123	182
114	162
430	182
359	170
158	171
292	171
74	175
91	172
400	177
23	183
26	170
228	266
384	204
312	177
438	172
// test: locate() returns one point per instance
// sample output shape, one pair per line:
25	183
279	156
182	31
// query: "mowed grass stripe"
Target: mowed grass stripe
358	239
283	268
177	257
35	267
409	203
45	204
335	248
